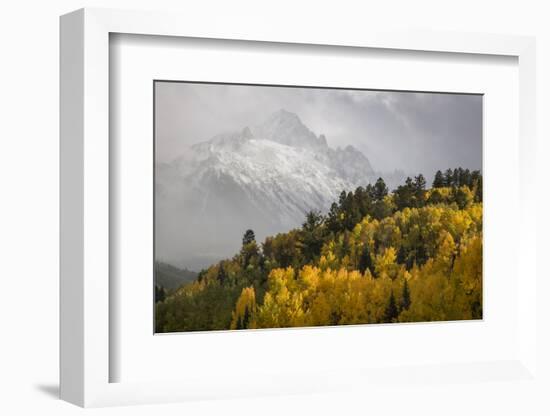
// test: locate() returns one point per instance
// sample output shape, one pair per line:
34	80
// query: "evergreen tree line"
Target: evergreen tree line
409	255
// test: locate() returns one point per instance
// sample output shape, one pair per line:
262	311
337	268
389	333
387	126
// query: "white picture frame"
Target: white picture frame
85	212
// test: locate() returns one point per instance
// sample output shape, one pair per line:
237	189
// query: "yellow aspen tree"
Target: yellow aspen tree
469	269
385	263
244	315
446	253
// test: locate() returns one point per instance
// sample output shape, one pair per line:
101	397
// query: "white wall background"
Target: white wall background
29	204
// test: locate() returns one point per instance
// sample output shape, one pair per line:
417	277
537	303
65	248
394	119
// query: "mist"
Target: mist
409	131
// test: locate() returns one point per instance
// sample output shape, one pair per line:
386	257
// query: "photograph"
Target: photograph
280	206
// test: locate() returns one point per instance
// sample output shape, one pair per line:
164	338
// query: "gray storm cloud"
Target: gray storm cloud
409	131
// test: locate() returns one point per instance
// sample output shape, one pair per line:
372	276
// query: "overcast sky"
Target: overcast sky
413	132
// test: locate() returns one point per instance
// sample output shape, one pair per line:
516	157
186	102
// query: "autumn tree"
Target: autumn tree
462	196
435	197
385	264
383	208
408	256
243	316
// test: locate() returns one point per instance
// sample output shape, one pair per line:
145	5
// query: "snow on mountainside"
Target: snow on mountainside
264	177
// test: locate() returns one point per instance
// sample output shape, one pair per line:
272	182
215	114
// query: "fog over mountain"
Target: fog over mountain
408	131
229	158
264	177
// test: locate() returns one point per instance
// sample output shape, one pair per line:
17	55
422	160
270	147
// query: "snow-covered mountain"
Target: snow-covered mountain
263	177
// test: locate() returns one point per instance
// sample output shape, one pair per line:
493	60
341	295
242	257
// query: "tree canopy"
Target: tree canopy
411	255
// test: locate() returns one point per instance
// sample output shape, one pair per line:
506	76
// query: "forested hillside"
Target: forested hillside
170	277
411	255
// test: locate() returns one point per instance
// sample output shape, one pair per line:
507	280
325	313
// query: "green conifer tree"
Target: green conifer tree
365	261
380	189
439	180
248	237
391	313
405	296
448	177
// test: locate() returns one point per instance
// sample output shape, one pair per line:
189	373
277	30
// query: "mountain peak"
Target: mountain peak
264	177
285	120
283	114
287	128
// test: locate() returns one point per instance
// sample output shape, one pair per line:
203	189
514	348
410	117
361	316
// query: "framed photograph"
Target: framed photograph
263	213
267	224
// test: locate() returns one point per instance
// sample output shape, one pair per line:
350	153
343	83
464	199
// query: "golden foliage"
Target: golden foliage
446	286
245	311
416	264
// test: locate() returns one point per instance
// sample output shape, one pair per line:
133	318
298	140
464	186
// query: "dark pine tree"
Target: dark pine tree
248	237
460	198
419	183
465	178
459	173
201	275
380	190
352	213
419	190
391	313
474	177
405	296
249	249
439	180
313	220
456	176
333	219
448	177
365	260
420	255
403	195
222	275
477	187
363	201
342	199
246	318
313	235
160	293
403	257
370	191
